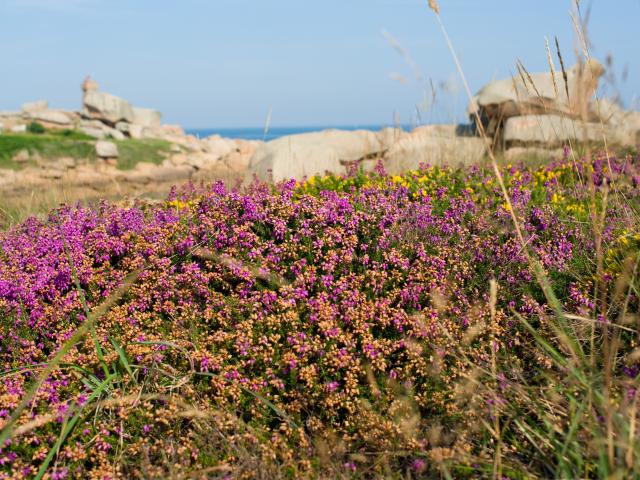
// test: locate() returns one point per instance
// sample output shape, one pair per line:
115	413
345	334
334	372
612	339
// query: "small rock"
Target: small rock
147	117
52	118
22	156
237	162
106	149
7	176
116	134
178	159
170	133
84	122
94	132
136	131
36	157
19	129
175	148
67	163
145	167
52	173
33	107
123	127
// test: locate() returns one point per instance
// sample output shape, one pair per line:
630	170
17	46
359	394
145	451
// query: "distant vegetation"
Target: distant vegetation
49	145
145	150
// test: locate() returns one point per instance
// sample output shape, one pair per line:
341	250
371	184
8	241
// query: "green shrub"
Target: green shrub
35	127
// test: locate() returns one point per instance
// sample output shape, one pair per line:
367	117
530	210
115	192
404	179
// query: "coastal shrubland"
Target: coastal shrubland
356	326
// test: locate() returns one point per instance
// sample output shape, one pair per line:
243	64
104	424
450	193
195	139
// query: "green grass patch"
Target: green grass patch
72	143
146	150
47	145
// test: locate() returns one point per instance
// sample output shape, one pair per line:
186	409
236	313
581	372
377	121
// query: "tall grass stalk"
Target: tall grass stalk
594	397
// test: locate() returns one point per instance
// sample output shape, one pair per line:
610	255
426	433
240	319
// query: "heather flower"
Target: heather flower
295	304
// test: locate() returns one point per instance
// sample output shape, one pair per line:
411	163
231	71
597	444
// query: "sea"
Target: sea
259	133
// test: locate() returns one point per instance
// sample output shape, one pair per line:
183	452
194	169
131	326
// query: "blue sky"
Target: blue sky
225	63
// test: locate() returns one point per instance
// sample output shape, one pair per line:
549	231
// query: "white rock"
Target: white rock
236	162
103	132
171	133
390	136
107	108
54	117
52	173
33	107
146	117
22	156
520	91
201	161
94	132
537	94
554	130
85	122
450	130
136	131
421	147
515	154
19	128
217	145
178	159
105	149
307	154
145	166
123	127
66	162
116	134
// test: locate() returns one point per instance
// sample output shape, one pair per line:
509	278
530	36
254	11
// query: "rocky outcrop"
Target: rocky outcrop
423	147
191	159
54	118
97	129
542	111
307	154
146	117
34	107
555	130
537	94
115	117
335	151
107	108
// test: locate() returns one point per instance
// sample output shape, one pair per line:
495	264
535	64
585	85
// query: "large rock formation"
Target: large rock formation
115	113
307	154
33	107
146	117
53	118
107	108
542	111
425	147
335	151
537	94
554	130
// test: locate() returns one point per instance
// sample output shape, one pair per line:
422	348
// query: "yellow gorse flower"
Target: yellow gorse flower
179	204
